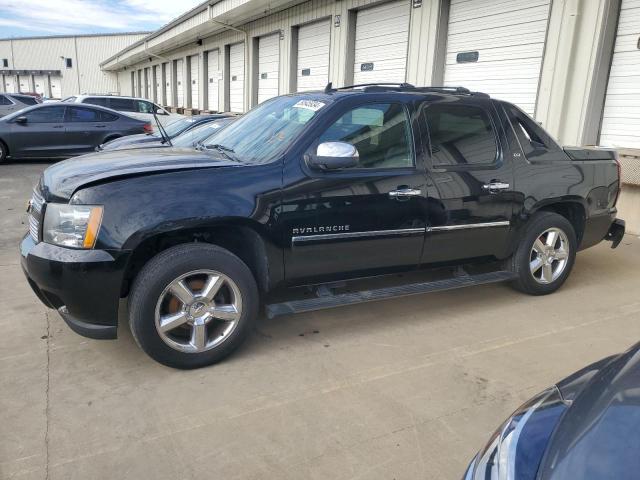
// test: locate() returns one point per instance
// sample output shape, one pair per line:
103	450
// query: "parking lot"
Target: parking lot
407	388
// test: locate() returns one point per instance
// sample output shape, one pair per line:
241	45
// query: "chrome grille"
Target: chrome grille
35	213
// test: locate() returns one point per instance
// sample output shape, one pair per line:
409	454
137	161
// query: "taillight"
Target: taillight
147	128
619	167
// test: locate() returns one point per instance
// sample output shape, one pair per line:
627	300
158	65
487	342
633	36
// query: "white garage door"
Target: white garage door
382	35
621	116
140	84
168	84
313	56
147	83
213	79
194	78
236	78
157	84
268	66
180	82
56	87
24	82
497	48
10	84
41	86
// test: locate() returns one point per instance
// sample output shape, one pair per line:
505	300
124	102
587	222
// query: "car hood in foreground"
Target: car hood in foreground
61	180
130	140
599	434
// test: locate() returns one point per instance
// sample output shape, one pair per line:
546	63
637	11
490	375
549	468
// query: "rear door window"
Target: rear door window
5	101
25	99
121	104
95	101
533	140
76	114
461	135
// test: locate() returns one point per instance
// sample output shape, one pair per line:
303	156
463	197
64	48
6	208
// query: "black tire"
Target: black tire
169	265
4	152
521	260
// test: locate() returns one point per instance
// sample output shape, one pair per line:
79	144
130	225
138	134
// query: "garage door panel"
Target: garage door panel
509	38
621	113
213	79
236	78
500	20
180	82
381	42
313	56
479	8
194	80
268	66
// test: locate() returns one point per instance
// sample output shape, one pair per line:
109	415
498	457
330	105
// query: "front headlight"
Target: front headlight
515	450
73	226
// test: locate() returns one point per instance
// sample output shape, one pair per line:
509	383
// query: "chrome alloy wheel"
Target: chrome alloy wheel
198	311
549	256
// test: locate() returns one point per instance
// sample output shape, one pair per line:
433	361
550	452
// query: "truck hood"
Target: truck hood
599	434
60	181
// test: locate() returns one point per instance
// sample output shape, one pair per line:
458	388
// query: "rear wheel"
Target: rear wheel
192	305
546	254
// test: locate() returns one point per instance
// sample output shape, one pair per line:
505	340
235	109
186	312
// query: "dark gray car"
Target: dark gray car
586	427
12	102
58	130
173	130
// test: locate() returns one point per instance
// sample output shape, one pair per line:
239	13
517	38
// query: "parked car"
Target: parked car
61	130
12	102
133	107
172	131
587	426
307	189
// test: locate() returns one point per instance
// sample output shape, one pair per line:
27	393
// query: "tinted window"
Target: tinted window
461	135
381	133
533	139
5	101
144	107
53	114
96	101
107	117
83	115
121	104
26	100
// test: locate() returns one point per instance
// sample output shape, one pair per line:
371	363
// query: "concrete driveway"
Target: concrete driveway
402	389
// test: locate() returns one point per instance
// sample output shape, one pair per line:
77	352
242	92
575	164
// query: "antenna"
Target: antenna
328	88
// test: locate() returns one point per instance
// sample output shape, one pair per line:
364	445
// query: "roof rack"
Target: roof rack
406	87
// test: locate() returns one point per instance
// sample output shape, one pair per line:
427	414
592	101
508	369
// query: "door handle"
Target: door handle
100	126
495	187
403	193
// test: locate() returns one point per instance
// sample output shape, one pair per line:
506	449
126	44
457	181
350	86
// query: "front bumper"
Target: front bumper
83	285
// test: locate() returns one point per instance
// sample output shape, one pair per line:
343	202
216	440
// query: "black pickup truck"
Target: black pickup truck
318	190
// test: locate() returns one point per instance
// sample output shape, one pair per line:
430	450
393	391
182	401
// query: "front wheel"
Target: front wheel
3	152
545	255
192	305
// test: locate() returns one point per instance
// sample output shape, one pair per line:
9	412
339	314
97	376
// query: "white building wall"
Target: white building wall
86	53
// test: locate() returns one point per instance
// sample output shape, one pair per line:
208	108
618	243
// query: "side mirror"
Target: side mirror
333	156
160	111
21	120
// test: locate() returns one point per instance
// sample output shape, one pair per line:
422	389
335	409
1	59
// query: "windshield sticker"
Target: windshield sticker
312	105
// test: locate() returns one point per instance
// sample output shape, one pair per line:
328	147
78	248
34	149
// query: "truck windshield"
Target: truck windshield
266	131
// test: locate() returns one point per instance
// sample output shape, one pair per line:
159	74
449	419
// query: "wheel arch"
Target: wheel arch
573	209
241	239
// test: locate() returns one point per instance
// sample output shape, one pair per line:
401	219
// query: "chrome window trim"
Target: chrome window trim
445	228
400	231
369	233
